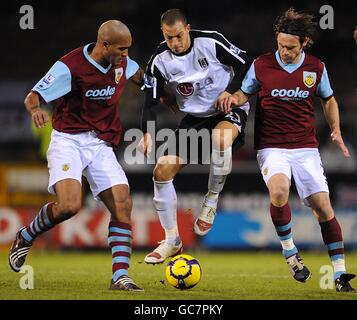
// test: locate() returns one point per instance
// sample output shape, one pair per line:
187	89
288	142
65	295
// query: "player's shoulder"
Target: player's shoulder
73	56
309	57
266	56
161	48
314	61
265	59
209	35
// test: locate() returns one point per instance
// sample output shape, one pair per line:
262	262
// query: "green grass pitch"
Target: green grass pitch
232	275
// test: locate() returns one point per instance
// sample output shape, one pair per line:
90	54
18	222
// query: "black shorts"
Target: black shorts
192	140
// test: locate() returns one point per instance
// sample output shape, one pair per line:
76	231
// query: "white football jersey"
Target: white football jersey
197	76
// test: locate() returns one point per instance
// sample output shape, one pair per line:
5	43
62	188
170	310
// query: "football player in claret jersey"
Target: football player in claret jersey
196	66
87	84
285	136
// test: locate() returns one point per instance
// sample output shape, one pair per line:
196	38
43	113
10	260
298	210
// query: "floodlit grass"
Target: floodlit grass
226	276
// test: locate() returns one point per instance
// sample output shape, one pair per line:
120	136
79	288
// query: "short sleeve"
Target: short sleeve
55	84
250	84
324	89
131	68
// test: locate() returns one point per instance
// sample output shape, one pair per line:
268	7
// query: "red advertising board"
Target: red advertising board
89	229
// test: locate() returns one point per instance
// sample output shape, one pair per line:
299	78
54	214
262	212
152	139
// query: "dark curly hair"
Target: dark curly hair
297	23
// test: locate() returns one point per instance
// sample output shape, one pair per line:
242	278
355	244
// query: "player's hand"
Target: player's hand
145	144
40	118
226	101
337	139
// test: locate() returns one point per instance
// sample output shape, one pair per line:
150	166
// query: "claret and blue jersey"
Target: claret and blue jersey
87	94
284	115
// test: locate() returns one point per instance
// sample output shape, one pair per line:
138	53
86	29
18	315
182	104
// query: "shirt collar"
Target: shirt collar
91	60
291	67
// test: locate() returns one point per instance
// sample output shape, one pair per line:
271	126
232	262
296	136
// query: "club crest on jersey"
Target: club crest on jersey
185	89
203	63
309	78
118	74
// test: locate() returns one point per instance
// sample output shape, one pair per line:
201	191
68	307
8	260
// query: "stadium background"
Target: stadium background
243	221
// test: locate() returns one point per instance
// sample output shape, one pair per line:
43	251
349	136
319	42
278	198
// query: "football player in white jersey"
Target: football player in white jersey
197	66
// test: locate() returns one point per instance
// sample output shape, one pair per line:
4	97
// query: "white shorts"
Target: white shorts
303	163
71	155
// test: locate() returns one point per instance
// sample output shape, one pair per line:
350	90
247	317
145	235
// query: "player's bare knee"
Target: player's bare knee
123	207
68	209
279	199
162	172
123	203
279	195
324	211
159	173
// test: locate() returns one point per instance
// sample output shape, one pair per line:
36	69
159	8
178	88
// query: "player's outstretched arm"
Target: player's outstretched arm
32	104
332	115
226	101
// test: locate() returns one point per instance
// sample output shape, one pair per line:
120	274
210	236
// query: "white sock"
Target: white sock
165	202
172	236
211	199
287	244
339	266
221	166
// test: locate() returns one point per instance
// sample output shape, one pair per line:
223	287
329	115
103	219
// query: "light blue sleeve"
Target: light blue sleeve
250	84
324	89
56	83
131	68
